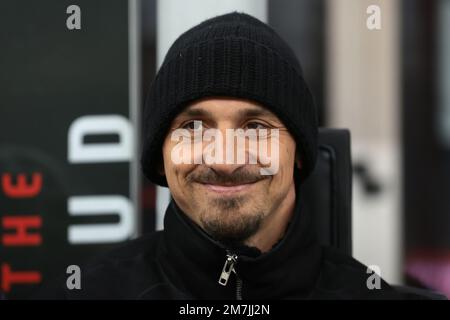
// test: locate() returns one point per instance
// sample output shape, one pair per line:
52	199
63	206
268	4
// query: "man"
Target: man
236	229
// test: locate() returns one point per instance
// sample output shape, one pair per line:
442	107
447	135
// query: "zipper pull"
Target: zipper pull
228	267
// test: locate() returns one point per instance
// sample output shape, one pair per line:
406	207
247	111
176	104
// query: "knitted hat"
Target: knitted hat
233	55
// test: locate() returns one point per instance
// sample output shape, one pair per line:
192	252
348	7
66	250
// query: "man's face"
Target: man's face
230	200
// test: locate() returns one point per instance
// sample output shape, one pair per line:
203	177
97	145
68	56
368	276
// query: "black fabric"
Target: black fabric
233	55
183	262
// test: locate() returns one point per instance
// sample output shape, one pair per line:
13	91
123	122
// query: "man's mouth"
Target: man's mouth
229	188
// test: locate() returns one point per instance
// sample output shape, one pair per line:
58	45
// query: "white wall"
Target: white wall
363	94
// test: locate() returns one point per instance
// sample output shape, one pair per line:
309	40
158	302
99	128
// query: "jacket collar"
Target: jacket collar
194	261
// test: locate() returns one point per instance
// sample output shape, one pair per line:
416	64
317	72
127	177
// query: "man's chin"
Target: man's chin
231	232
231	225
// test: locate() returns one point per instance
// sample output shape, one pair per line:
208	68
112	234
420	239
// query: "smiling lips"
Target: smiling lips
228	189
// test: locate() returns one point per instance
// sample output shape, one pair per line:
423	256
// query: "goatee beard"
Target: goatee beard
229	226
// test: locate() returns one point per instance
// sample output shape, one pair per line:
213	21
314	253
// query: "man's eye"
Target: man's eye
193	125
255	125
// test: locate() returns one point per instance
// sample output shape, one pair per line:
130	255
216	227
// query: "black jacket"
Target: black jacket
183	262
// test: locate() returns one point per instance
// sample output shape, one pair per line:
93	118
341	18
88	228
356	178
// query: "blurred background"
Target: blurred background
73	80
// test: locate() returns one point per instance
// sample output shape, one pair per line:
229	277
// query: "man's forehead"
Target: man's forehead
216	108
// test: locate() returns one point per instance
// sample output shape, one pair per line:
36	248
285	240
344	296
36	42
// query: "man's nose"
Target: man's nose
224	169
233	154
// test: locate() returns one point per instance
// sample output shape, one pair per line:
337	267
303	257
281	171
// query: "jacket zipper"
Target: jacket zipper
238	288
227	269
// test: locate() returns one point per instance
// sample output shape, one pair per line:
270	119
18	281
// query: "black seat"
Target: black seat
328	193
328	190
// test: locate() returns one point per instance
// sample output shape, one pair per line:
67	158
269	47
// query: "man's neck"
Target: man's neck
274	226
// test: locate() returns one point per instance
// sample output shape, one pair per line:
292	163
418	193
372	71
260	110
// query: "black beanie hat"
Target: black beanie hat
232	55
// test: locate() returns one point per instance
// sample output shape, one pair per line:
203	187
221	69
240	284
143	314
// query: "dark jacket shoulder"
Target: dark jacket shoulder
130	271
344	277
